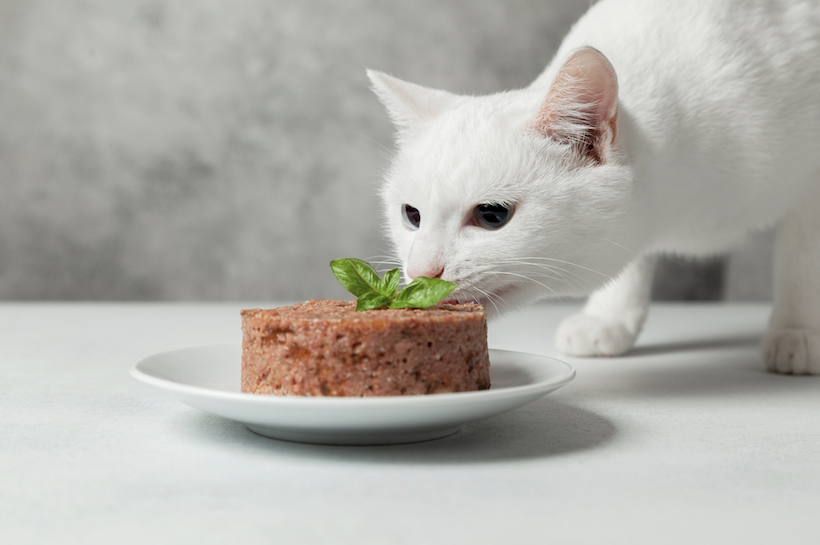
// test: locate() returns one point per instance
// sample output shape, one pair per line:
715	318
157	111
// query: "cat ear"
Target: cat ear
410	106
582	105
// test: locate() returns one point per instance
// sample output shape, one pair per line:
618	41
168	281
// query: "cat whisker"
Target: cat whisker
529	279
489	297
383	150
551	268
560	271
618	245
570	263
384	263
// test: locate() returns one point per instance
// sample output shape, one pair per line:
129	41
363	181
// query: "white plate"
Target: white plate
208	377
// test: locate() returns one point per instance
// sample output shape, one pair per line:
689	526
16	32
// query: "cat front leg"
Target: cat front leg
792	344
613	316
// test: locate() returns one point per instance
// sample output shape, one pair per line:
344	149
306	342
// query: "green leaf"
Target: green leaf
372	300
357	276
362	280
390	283
423	292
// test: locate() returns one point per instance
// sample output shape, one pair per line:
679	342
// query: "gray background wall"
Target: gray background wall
185	150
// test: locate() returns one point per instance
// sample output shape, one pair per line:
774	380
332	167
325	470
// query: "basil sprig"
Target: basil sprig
362	280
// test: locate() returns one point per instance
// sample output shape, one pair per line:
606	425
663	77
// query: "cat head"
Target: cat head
513	196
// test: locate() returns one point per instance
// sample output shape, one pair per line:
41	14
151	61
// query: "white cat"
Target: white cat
660	127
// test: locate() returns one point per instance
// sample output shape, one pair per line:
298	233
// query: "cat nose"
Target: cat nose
430	272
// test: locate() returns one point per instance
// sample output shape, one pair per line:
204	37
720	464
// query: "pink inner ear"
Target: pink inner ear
581	106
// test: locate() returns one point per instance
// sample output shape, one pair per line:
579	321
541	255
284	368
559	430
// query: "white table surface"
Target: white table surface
687	440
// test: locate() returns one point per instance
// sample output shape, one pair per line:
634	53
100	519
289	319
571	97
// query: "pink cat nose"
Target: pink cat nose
433	272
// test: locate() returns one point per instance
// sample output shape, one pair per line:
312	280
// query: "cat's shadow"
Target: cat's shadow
545	428
694	345
704	368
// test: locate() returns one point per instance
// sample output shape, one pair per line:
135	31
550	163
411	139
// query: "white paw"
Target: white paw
586	335
792	351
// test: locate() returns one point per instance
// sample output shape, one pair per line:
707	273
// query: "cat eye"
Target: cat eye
412	217
493	216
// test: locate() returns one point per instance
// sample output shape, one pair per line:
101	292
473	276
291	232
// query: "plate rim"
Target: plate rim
315	401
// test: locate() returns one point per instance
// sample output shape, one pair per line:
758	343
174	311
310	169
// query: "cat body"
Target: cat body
719	105
660	127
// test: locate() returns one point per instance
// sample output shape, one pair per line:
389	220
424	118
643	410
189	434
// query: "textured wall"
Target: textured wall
222	150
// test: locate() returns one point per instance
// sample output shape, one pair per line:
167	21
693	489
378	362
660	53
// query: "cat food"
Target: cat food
326	348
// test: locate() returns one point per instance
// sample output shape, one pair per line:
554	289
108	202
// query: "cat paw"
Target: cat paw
586	335
792	351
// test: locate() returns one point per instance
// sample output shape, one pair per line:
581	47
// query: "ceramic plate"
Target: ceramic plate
207	378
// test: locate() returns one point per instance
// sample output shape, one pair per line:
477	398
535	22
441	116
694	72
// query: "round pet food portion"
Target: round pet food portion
326	348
